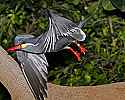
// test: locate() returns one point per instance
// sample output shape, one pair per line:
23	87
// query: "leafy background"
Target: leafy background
104	25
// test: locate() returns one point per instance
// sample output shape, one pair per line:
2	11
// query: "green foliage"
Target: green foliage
113	4
107	5
105	60
120	4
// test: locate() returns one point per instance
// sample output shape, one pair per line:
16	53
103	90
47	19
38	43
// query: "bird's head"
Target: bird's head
21	43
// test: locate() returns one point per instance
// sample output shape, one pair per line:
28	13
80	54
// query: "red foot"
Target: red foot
82	50
76	54
79	47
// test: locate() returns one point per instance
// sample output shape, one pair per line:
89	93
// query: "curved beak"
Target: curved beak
15	48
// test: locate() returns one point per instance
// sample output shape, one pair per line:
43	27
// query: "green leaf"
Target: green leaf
92	7
76	2
120	4
107	5
87	78
5	41
88	67
66	6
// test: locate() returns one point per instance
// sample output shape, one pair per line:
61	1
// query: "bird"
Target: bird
31	50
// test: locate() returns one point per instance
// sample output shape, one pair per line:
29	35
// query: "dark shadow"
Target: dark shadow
116	12
4	94
57	58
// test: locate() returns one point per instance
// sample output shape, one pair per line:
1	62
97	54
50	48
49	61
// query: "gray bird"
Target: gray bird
31	51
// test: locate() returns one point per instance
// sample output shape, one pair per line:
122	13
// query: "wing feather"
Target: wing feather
34	68
60	29
61	33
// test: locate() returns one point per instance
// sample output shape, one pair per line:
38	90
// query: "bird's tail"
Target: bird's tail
49	13
82	23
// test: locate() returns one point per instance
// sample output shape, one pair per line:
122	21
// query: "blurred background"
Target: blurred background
104	25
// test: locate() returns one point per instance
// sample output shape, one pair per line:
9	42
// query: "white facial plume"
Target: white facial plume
78	34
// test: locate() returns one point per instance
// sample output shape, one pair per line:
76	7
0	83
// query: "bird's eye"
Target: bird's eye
23	42
19	42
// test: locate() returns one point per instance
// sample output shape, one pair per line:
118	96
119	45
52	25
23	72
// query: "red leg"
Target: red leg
76	54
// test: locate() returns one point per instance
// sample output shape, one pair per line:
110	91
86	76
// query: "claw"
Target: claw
81	48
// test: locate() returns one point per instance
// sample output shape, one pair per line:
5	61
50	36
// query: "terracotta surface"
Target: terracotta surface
13	80
114	91
11	77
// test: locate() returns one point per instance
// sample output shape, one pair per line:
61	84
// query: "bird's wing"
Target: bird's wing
34	68
61	32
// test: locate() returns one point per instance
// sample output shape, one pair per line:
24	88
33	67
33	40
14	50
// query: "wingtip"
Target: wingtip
49	12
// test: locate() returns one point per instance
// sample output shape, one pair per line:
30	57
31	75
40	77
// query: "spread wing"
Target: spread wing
34	68
61	32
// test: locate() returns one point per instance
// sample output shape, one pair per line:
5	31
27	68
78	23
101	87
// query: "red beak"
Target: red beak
13	49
